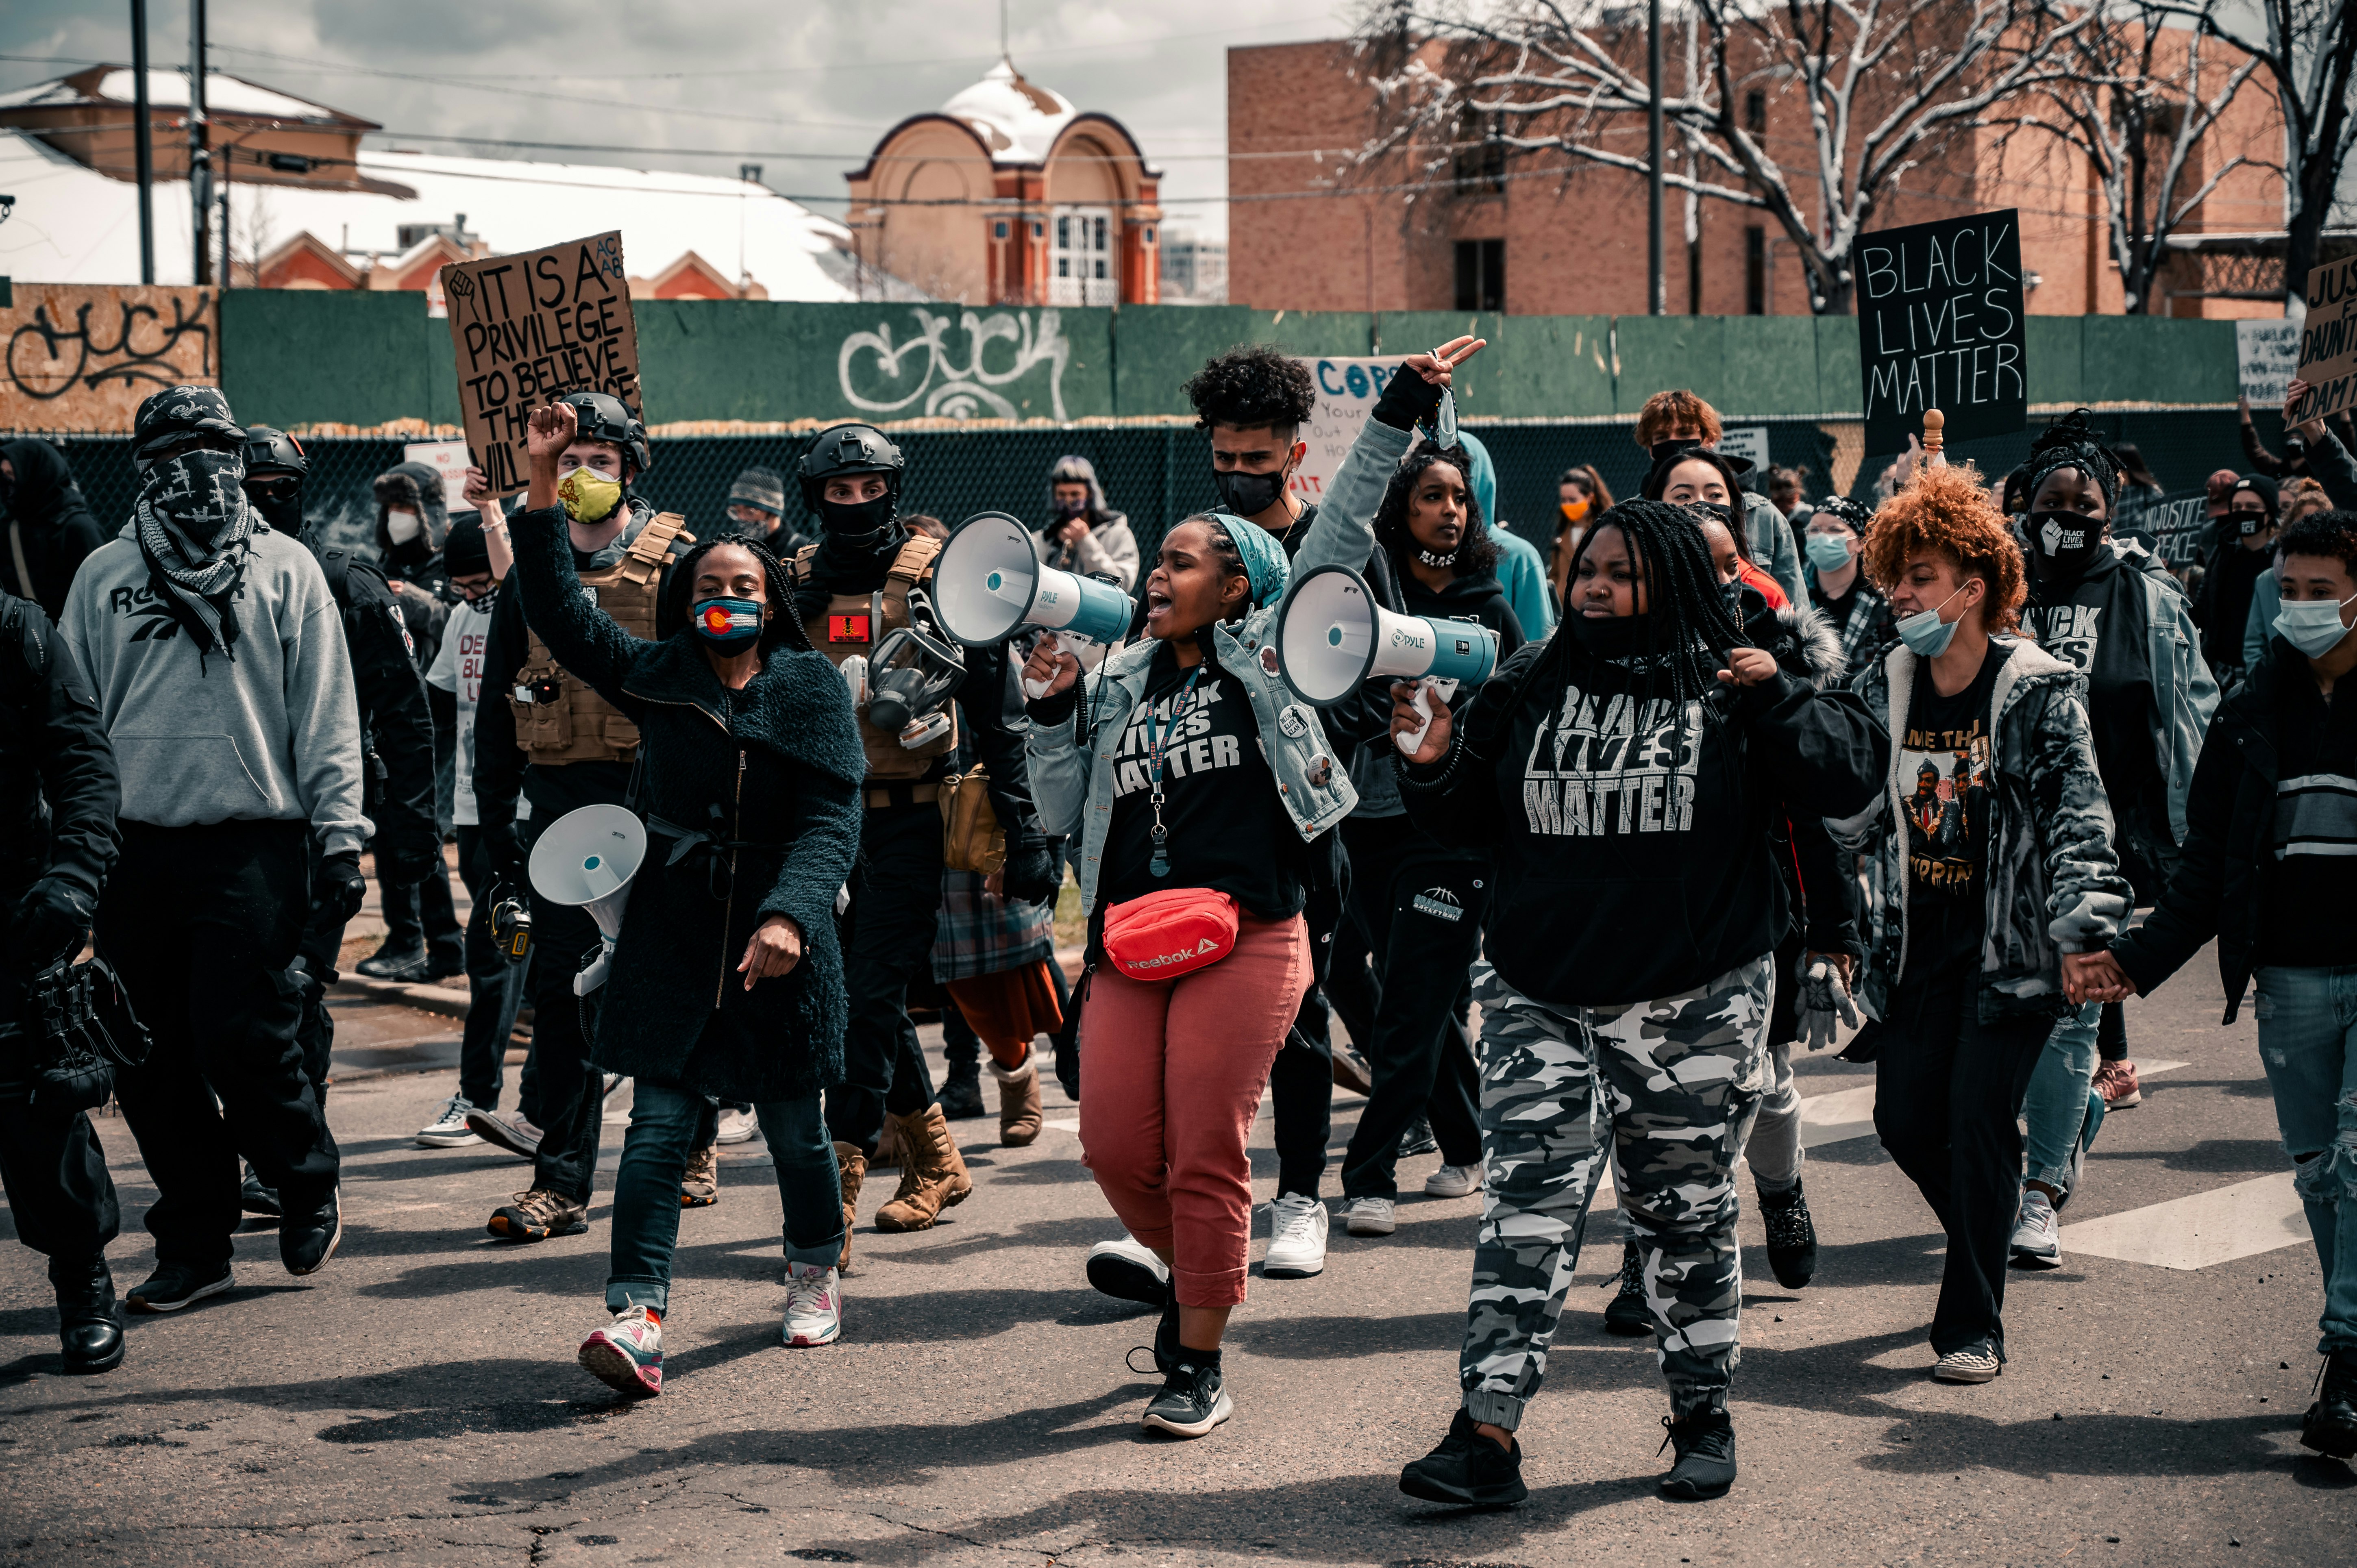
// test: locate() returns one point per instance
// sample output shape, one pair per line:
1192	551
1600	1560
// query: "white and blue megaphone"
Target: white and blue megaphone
586	858
1332	637
988	584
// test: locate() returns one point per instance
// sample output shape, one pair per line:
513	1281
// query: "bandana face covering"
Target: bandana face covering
193	524
728	624
588	497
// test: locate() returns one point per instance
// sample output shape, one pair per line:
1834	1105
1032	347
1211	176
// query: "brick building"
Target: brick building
1461	225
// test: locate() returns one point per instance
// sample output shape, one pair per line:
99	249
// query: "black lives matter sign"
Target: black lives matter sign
528	329
1940	312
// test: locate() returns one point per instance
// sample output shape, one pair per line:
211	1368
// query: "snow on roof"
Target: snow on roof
169	90
1015	119
74	225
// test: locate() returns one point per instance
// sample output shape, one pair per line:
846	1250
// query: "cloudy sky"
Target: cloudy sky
804	90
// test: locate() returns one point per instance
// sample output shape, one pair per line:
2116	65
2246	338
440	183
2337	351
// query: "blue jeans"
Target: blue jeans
663	1124
2061	1107
2308	1042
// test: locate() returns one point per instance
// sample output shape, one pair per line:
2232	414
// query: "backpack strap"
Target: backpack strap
338	565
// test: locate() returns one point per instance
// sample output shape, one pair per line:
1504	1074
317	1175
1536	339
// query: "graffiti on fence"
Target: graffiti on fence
922	373
83	358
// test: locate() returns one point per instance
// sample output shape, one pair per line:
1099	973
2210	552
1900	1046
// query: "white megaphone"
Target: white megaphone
587	858
988	584
1332	637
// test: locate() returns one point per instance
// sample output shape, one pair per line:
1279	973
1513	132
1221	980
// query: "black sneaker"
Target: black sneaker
256	1198
1791	1235
960	1095
1467	1469
390	962
305	1241
1418	1140
1193	1401
1627	1314
175	1285
1706	1466
2331	1425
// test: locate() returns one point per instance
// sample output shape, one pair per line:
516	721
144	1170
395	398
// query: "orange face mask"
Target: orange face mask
1574	511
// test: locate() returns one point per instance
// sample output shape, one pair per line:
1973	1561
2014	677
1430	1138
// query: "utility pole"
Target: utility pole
1657	287
142	154
200	160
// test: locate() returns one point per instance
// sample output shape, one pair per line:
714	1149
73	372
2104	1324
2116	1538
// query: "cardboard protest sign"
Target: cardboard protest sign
1939	311
2328	339
84	357
2266	353
529	328
1347	391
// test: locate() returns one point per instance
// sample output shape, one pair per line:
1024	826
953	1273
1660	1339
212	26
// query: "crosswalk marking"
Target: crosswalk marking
2214	1226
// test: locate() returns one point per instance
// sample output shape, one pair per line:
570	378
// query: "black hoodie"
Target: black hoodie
50	529
1633	848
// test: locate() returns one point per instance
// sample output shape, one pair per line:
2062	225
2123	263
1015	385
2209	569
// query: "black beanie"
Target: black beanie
465	553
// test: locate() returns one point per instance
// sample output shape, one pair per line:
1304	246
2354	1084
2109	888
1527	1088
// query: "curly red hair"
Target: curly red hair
1947	509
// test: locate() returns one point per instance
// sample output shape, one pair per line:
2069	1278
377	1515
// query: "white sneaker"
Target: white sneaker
2037	1234
1370	1215
1454	1181
814	1305
736	1126
1127	1270
1975	1364
513	1133
449	1129
1296	1238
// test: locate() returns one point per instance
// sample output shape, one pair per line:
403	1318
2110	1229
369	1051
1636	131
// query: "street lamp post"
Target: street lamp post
1657	285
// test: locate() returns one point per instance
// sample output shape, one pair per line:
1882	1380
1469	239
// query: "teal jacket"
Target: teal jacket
1521	570
1072	774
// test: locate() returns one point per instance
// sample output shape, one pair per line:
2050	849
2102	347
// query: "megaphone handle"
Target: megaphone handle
1410	742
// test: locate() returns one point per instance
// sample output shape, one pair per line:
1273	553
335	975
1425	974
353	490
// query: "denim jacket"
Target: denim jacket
1072	776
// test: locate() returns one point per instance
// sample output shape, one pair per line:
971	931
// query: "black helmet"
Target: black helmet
849	449
601	416
270	451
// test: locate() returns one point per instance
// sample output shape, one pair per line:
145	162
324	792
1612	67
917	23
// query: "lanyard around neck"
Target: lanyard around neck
1158	743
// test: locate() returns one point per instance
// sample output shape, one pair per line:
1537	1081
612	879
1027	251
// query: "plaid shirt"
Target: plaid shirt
981	934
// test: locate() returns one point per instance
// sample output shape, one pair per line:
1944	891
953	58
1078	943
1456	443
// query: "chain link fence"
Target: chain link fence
1159	474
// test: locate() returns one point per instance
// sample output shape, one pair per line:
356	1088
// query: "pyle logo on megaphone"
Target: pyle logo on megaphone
989	584
1407	634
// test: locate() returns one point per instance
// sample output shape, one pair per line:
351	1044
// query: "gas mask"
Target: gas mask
909	678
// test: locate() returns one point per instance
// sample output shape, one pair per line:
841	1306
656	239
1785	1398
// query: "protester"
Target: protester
1581	495
557	743
1991	881
2298	441
1784	493
1227	788
1084	535
2262	872
1678	419
1521	570
2331	459
57	797
1638	759
870	560
1837	587
2301	497
495	981
50	530
1419	903
212	645
2242	553
756	509
2100	605
397	751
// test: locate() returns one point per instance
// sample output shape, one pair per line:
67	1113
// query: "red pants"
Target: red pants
1172	1080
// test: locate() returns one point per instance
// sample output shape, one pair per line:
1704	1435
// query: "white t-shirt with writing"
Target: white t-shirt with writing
458	670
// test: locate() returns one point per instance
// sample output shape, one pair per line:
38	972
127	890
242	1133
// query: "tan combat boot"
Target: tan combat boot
932	1173
850	1171
1018	1102
887	1147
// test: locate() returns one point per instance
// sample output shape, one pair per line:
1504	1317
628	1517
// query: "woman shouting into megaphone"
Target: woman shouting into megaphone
726	980
1204	795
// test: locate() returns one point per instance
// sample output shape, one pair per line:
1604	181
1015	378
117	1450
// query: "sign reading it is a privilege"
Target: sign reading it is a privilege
2328	339
1939	311
529	328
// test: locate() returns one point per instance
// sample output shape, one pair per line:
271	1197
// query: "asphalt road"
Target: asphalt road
417	1402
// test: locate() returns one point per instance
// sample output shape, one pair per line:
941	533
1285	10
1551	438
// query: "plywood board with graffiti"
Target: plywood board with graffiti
83	356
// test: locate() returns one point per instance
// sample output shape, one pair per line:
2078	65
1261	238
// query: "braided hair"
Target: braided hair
2071	441
785	626
1477	552
1690	626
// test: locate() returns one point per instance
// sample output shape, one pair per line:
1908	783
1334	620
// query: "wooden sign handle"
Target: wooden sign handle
1936	439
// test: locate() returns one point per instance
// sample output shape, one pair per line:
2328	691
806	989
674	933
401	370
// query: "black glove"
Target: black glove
410	861
502	857
1408	400
48	925
1031	874
341	888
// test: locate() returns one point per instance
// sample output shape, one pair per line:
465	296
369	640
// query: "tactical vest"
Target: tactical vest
560	719
850	627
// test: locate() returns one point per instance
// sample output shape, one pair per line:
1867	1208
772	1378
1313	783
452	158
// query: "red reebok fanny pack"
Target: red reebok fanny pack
1166	935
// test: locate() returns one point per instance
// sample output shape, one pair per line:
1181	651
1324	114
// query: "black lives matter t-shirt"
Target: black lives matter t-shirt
1944	782
1228	829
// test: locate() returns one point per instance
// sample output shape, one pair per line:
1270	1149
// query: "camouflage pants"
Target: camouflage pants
1677	1081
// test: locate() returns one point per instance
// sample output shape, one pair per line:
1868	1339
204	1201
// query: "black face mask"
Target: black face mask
1610	637
858	525
1660	449
2066	542
1248	495
281	506
2247	524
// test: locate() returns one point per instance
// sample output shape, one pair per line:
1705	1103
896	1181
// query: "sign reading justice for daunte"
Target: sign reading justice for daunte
1939	310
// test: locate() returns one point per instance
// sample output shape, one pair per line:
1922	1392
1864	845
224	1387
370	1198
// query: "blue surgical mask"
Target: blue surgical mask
1828	552
728	626
2312	626
1926	634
